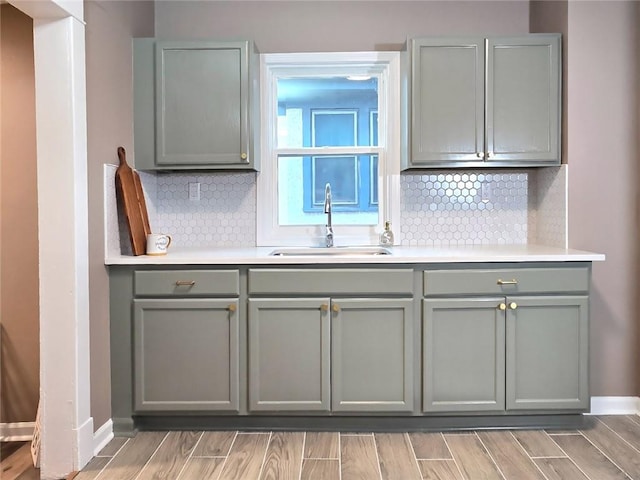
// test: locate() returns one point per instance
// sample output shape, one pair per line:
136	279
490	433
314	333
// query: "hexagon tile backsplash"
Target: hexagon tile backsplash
479	207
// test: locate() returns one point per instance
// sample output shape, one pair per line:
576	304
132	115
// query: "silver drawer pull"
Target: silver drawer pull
507	282
185	283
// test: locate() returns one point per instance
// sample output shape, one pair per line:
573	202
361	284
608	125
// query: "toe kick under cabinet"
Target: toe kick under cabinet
505	340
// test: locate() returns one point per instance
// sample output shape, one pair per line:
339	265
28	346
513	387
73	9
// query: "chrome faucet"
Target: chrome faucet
328	238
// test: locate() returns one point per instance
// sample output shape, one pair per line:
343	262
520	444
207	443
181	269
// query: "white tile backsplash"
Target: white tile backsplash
438	208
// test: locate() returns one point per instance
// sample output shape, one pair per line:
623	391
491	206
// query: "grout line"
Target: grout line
339	456
375	448
462	475
190	456
224	463
490	456
264	457
151	457
547	456
605	455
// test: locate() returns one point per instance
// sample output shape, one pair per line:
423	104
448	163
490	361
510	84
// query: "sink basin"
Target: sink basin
330	252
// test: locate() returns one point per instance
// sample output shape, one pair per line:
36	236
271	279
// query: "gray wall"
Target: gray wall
110	28
604	157
306	26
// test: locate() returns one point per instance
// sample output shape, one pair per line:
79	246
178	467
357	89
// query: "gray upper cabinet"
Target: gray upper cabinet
200	96
186	354
447	114
372	355
479	102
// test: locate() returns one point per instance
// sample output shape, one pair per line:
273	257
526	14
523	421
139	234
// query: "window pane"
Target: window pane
374	180
296	192
341	173
307	94
333	128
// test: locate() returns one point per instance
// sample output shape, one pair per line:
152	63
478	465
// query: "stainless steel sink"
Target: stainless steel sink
330	252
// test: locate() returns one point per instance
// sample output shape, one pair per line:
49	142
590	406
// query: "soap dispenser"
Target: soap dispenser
386	237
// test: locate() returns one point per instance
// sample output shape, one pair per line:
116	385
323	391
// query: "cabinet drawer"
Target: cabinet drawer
506	281
330	281
186	283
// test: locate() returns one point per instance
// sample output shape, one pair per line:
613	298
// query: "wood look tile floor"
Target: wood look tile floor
608	450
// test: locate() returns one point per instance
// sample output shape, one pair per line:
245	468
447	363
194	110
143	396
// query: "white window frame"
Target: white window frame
385	65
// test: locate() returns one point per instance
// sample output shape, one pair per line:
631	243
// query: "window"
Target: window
328	119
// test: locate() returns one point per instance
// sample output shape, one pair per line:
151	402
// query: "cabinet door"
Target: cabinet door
523	99
186	354
447	119
463	355
289	354
547	352
372	355
202	91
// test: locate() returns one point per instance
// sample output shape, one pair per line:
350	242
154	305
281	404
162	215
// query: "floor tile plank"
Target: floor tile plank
619	452
320	469
359	458
429	446
284	456
245	457
559	469
126	465
214	444
472	458
91	469
625	426
439	470
202	468
397	460
588	458
509	456
537	443
16	463
321	445
113	446
170	458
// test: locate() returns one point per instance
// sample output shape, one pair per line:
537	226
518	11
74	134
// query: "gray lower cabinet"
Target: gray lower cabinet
289	349
372	355
323	354
463	355
506	339
185	354
547	353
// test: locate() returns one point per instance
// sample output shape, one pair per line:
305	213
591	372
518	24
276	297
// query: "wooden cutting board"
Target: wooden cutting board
129	192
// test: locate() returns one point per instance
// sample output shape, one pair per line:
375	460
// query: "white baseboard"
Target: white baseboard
17	431
102	436
615	406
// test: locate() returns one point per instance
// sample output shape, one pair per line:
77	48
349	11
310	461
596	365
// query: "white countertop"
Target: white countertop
400	255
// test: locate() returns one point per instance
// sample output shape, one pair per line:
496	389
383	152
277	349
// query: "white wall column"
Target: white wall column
66	423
